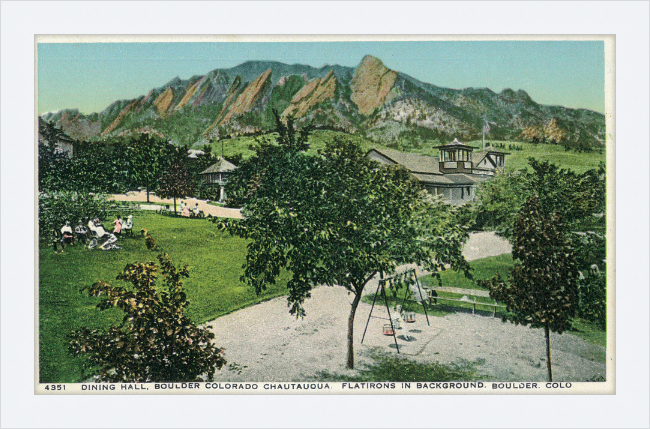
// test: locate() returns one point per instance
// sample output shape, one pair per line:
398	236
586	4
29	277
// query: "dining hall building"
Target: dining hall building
455	174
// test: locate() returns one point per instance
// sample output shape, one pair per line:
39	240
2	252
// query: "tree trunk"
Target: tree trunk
174	206
353	310
548	352
147	192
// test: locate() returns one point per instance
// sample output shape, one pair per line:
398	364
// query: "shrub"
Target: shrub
155	341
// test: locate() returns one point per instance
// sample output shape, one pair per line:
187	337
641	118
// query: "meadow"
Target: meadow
214	261
517	159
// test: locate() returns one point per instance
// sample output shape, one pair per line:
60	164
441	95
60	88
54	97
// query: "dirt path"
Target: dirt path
208	209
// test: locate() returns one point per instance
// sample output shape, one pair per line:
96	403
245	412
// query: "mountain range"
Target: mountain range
370	100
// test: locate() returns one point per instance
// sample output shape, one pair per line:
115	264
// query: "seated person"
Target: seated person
81	231
110	241
98	228
128	225
66	234
186	211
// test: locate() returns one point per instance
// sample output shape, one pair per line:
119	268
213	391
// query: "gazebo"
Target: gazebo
217	175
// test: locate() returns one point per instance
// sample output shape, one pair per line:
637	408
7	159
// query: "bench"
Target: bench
468	297
121	208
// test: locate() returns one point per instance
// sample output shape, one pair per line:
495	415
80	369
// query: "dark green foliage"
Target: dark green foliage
498	201
149	156
268	160
580	201
54	208
99	168
155	341
543	289
288	137
590	251
575	197
175	183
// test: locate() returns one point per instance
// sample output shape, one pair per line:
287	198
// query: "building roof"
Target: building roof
221	166
477	157
456	144
449	179
413	162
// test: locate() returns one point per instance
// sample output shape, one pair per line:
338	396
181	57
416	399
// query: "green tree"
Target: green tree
148	157
543	290
155	341
579	199
574	197
289	141
55	207
498	202
54	169
339	218
175	183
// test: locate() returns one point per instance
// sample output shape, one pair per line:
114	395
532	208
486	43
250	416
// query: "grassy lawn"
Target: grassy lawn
518	159
215	259
482	269
579	162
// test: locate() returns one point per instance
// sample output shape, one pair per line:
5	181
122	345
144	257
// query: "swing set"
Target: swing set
408	278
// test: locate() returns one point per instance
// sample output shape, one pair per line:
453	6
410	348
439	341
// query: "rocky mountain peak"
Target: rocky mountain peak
372	85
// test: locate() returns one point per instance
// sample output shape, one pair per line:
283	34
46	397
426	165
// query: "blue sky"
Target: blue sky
90	76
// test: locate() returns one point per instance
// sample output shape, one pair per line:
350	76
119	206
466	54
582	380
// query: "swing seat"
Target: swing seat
409	317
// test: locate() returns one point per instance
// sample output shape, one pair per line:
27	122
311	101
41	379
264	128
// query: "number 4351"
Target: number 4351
55	387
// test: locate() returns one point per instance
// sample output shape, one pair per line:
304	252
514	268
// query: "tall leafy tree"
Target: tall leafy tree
543	289
289	141
339	218
176	182
579	199
155	341
148	157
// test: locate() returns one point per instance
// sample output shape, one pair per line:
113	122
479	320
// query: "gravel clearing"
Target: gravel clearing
268	344
208	209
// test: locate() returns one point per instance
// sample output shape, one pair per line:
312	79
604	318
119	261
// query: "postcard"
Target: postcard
325	215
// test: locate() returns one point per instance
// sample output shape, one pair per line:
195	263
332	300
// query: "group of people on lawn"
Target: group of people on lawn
187	211
94	232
